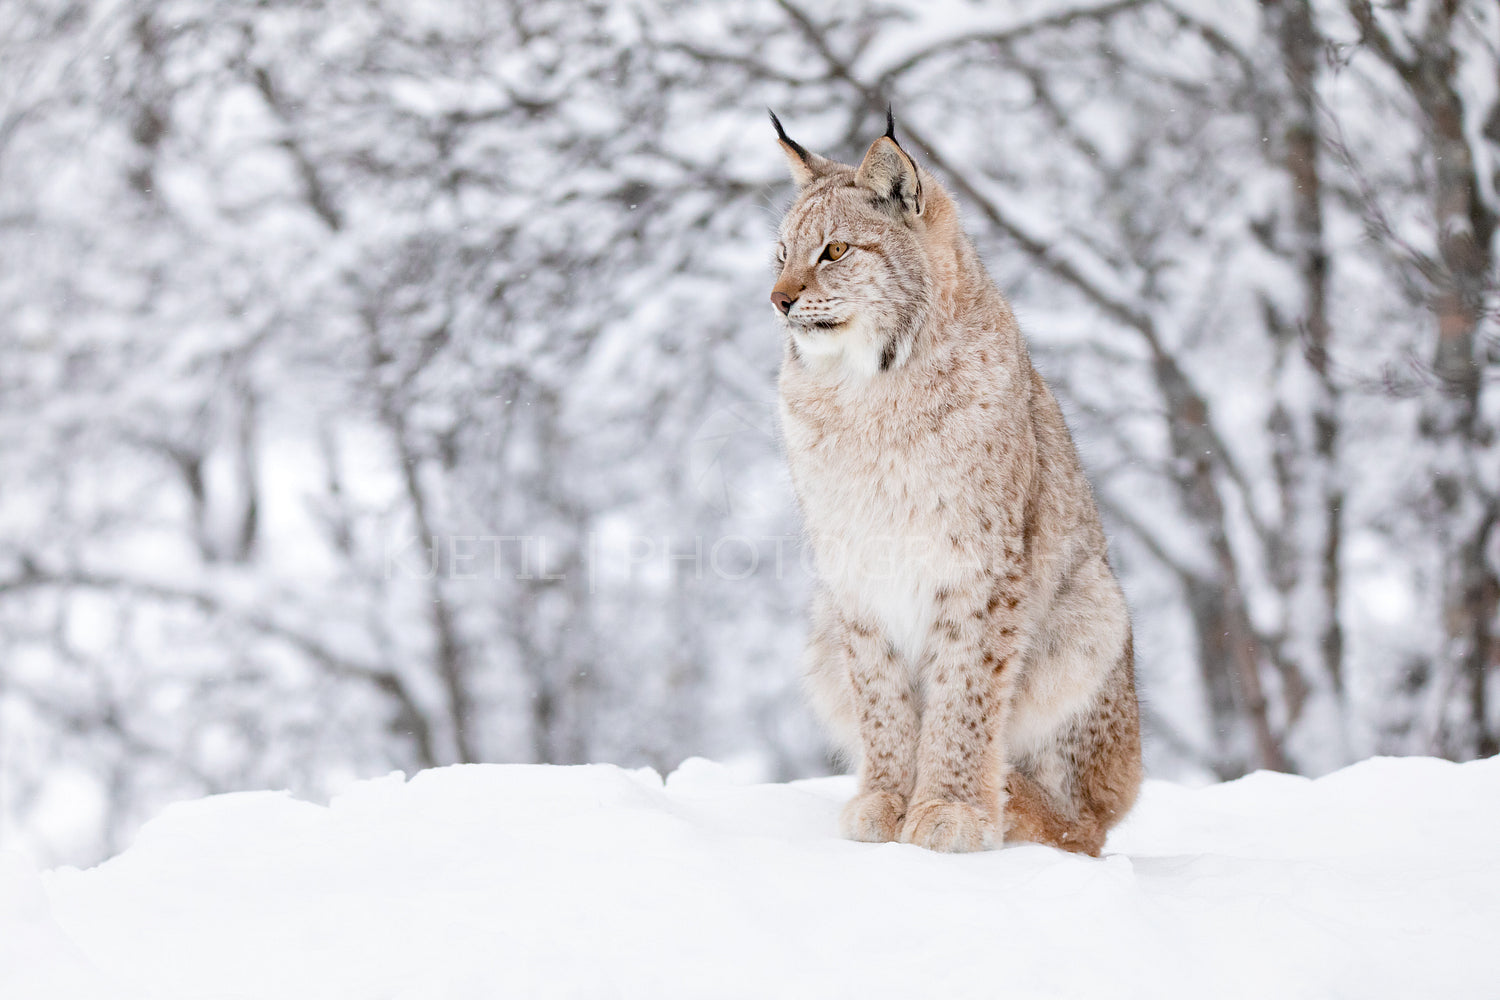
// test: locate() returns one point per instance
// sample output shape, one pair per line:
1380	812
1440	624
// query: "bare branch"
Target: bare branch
32	577
755	66
1118	512
1061	19
1373	35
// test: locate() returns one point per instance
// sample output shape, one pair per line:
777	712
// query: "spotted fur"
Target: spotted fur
970	647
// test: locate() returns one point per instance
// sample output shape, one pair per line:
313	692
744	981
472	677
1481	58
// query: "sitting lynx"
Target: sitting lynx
970	646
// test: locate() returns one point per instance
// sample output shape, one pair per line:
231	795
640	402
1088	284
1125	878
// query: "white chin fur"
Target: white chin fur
855	347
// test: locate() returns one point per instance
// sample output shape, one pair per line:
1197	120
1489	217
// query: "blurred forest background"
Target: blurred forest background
389	384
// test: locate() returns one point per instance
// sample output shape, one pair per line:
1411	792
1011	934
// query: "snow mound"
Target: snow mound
1382	880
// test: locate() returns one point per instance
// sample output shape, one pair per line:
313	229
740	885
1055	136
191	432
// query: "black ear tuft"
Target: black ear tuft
805	167
787	140
890	125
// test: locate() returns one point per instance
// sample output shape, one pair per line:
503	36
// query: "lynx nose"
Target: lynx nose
781	300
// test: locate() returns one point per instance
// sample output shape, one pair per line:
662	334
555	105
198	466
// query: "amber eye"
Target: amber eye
834	251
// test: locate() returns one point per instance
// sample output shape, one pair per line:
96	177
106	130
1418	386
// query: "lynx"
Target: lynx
969	647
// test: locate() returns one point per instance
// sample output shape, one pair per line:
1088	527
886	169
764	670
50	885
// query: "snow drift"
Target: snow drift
1382	880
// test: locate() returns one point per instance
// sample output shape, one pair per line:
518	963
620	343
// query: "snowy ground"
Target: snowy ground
1382	880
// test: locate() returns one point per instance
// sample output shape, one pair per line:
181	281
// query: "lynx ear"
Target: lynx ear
891	175
805	167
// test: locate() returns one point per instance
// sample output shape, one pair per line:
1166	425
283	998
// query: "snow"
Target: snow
1380	880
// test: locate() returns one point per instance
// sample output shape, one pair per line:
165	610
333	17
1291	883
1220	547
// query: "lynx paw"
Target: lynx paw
944	826
873	817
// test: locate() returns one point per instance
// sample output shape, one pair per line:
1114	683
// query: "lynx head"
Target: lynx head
855	255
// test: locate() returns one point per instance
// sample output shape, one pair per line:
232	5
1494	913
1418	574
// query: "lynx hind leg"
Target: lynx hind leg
1070	794
1110	772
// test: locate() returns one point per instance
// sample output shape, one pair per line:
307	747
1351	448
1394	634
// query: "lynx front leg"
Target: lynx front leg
886	712
958	799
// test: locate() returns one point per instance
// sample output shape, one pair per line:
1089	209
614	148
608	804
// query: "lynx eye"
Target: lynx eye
781	253
835	250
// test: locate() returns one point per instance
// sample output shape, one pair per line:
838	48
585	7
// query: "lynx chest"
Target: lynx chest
891	506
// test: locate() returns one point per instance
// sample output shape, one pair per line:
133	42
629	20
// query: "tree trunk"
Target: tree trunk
1305	421
1463	508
